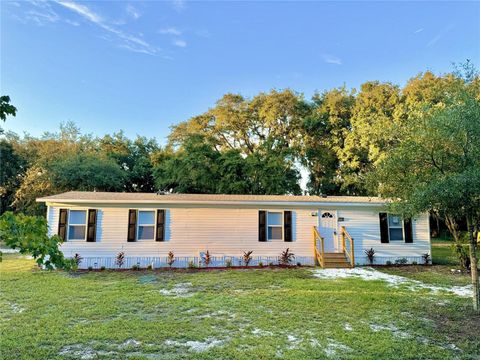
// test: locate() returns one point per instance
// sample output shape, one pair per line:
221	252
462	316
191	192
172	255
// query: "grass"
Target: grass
250	314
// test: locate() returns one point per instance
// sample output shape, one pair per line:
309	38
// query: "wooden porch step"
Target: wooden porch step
335	261
339	255
340	265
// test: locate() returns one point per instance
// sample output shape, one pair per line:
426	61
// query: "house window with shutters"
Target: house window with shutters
395	228
146	225
77	224
274	226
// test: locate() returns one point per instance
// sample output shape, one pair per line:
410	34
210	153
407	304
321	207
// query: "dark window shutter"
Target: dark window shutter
383	227
92	225
62	223
132	225
262	228
160	225
407	228
287	226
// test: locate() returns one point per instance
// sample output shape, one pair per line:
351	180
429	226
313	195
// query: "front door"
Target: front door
328	228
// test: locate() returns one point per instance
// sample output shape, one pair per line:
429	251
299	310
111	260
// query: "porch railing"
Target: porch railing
319	247
347	246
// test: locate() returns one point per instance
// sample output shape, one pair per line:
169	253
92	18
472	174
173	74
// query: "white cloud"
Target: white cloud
82	10
440	35
134	13
418	31
128	41
332	59
180	43
170	31
179	5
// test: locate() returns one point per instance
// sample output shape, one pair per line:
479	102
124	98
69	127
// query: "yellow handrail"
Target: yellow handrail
318	252
350	254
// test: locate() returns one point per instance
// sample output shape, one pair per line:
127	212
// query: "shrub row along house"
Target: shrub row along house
333	231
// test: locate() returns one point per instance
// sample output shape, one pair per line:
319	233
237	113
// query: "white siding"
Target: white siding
364	227
229	231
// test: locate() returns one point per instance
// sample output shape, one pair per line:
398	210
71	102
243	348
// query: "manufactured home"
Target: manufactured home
332	231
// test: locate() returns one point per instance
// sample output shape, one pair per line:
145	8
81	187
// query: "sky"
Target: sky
145	66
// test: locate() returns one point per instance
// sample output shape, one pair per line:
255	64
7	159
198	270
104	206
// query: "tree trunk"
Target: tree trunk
452	227
473	264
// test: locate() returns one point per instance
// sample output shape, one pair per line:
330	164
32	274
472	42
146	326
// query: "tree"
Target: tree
29	234
134	158
193	169
436	167
12	167
6	109
85	172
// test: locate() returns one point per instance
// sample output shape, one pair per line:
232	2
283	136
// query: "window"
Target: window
275	226
327	215
395	228
146	225
77	224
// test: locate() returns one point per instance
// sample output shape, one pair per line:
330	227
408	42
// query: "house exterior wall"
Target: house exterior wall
228	231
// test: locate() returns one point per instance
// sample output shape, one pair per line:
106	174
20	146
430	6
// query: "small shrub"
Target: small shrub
299	264
247	257
170	258
206	258
388	263
426	258
136	267
120	259
150	267
90	268
271	263
370	255
260	264
228	262
77	259
191	264
401	261
102	268
414	263
286	257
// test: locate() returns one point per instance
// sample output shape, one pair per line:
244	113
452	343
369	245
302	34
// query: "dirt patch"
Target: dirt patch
196	346
370	274
179	290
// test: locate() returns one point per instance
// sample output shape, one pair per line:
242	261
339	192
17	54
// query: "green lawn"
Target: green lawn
235	314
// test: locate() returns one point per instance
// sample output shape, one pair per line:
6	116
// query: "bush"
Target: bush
102	268
401	261
286	257
388	263
150	267
191	264
29	234
260	264
228	262
299	264
414	263
247	257
136	267
370	255
90	268
120	259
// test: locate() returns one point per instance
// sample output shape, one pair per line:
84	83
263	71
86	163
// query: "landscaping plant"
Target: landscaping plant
77	259
206	258
247	257
426	258
170	258
286	257
120	259
370	255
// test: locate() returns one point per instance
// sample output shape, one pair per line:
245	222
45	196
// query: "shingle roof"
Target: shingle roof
95	196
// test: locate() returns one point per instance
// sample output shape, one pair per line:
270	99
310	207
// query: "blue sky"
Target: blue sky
142	67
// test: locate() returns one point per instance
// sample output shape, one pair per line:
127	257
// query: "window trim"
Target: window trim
402	226
154	224
282	226
85	225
